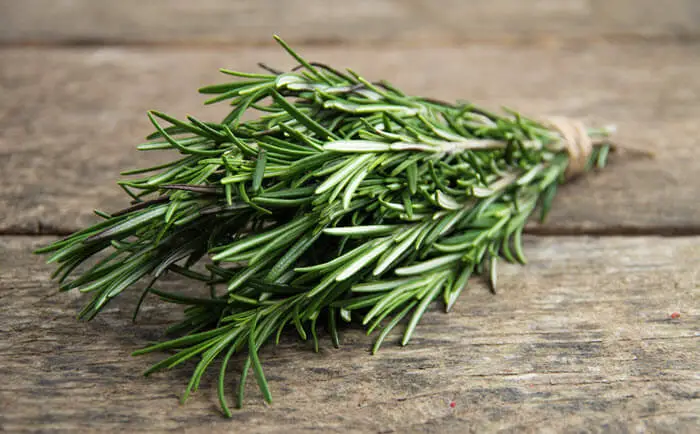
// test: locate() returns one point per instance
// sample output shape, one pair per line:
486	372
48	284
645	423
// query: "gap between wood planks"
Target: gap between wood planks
528	40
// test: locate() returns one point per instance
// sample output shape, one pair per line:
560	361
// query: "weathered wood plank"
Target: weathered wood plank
648	17
69	120
580	339
339	21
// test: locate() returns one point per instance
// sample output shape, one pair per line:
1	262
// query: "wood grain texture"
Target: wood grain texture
578	340
648	17
70	119
339	21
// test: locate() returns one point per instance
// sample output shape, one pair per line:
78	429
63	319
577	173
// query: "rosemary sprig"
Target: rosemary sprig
343	198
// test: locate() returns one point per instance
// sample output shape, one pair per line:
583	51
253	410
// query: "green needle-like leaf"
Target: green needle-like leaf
255	361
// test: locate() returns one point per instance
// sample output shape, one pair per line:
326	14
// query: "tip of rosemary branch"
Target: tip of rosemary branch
609	129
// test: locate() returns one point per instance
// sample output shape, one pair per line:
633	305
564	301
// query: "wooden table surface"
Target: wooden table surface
579	340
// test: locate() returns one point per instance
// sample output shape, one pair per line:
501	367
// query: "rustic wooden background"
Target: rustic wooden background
580	340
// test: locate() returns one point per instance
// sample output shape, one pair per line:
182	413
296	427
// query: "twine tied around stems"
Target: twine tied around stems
576	141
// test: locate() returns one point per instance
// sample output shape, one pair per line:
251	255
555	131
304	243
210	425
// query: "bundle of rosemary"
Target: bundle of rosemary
344	199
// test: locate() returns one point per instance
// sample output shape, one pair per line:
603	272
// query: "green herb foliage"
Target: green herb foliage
344	199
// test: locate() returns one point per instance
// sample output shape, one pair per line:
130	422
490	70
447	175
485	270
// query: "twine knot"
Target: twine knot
576	141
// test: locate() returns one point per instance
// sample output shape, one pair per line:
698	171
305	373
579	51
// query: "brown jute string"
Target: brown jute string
576	141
